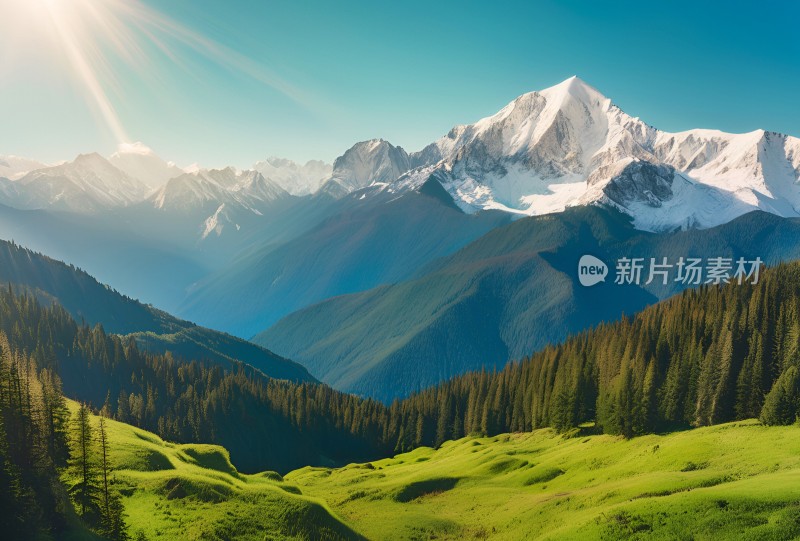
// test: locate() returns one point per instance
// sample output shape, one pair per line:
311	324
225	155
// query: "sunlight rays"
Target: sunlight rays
84	69
92	39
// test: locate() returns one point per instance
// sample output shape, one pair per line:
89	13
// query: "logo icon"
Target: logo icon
591	271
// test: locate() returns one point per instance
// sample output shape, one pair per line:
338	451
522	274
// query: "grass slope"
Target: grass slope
193	491
195	342
733	481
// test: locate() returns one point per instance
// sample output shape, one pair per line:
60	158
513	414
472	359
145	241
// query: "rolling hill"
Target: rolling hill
193	492
733	481
538	485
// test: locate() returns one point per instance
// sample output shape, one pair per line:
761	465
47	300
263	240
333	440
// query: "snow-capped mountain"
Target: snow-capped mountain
366	163
87	184
545	151
216	186
140	162
570	145
293	177
220	197
14	167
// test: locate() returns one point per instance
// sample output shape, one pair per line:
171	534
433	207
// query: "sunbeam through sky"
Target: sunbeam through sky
234	82
93	35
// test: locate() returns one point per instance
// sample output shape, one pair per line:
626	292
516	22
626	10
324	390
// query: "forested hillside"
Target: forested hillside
68	474
89	301
33	445
39	443
707	356
265	422
511	292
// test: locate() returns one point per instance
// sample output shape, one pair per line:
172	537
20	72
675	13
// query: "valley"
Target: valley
397	346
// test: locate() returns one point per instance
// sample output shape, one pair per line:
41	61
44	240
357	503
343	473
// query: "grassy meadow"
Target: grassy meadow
193	492
733	481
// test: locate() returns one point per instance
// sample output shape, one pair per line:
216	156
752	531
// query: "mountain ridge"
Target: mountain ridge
511	291
547	150
88	300
570	145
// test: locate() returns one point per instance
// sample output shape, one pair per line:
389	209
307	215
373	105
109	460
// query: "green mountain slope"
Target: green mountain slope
192	491
88	300
509	293
266	423
733	481
112	247
381	240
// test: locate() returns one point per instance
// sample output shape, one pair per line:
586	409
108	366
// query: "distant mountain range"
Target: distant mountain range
391	265
357	247
569	145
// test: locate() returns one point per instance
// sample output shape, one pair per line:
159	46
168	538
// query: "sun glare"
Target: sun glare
90	39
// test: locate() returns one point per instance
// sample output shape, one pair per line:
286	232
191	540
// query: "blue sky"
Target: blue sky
407	72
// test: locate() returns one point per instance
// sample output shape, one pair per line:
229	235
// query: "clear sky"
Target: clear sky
231	82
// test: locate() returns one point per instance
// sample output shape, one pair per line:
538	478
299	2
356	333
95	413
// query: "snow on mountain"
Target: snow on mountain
217	187
570	145
364	164
14	167
293	177
217	200
141	163
545	151
87	184
215	224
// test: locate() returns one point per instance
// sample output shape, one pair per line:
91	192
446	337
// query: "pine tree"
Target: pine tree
112	524
56	419
14	517
782	404
85	492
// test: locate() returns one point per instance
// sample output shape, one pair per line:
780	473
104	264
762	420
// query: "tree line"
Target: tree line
709	355
265	423
39	442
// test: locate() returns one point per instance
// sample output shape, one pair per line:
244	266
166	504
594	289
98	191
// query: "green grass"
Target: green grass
732	481
190	492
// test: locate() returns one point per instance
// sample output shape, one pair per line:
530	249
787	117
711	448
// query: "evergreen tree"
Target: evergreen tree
14	517
85	492
782	404
112	523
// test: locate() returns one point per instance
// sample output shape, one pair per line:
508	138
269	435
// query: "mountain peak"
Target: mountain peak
91	157
366	162
567	145
370	145
92	161
573	81
575	88
142	163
